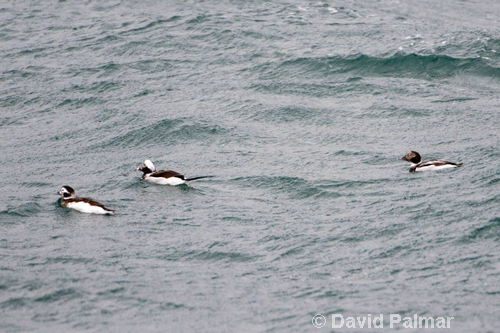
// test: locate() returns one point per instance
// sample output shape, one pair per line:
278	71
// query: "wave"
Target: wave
208	255
490	230
399	65
300	188
59	295
26	209
150	25
167	130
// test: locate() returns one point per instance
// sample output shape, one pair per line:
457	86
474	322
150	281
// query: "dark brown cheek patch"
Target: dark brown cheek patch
145	169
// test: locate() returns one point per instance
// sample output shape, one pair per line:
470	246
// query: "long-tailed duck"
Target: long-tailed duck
417	165
163	177
85	205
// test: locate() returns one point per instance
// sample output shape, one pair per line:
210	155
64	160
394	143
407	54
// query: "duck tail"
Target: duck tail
195	178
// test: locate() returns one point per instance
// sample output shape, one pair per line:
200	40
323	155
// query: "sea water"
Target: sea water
301	111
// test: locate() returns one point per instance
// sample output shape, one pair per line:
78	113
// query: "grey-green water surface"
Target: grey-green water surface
301	111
